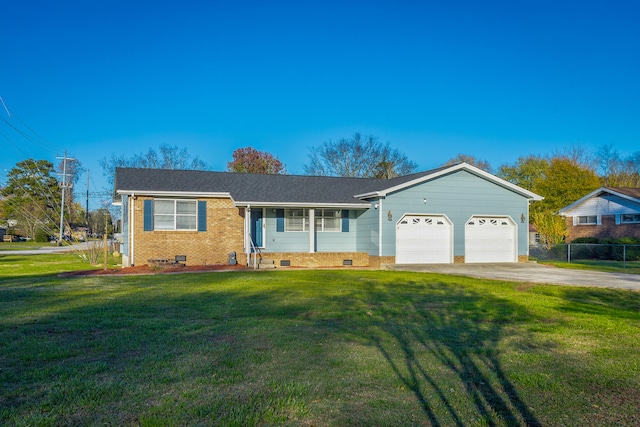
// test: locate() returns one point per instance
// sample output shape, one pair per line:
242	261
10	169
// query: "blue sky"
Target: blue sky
493	79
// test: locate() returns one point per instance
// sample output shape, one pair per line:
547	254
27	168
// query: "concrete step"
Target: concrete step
263	266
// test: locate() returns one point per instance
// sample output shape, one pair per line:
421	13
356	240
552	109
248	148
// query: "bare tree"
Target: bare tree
168	157
358	156
618	171
467	158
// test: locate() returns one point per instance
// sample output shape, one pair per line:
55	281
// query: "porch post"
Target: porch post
380	227
312	230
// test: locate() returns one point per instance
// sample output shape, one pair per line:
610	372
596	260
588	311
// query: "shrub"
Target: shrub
94	252
41	236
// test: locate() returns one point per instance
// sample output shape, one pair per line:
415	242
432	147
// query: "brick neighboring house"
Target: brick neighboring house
456	213
608	212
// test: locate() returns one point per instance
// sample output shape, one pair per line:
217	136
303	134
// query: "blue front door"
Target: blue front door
256	227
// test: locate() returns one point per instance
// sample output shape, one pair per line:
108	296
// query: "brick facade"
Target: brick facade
607	229
379	261
319	259
225	234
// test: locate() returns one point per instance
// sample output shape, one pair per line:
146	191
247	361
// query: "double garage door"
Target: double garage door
428	239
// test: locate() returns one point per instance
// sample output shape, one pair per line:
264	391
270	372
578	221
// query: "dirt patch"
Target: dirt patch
147	269
525	286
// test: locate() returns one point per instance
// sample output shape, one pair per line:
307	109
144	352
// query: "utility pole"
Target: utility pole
86	212
64	187
106	229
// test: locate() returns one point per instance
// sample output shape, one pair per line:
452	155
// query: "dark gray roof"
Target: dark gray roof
256	188
628	191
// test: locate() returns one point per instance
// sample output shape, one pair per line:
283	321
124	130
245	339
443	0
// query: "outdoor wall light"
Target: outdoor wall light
522	218
424	200
389	216
375	206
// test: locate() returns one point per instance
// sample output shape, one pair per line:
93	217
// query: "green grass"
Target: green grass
12	266
630	267
330	347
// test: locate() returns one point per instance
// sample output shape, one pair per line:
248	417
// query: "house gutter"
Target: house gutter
175	193
132	209
304	205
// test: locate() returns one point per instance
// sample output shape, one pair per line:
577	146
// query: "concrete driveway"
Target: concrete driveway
530	272
49	249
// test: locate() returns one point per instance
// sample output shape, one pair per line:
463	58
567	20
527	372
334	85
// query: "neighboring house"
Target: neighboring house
534	236
457	213
606	212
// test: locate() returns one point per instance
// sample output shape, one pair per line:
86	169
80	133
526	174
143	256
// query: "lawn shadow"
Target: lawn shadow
123	340
602	302
458	329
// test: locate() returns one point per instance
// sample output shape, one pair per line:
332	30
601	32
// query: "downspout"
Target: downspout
380	227
132	208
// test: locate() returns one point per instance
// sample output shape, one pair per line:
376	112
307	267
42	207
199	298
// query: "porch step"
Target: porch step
266	264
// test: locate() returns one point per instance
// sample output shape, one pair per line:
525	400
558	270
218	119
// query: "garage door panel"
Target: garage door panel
423	239
490	239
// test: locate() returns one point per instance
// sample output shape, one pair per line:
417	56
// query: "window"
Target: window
325	219
174	214
328	219
629	218
588	220
296	220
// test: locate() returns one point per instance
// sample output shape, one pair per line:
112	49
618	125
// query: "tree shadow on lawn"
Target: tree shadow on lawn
460	331
439	339
614	303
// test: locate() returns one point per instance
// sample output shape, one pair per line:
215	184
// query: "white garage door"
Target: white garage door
490	239
424	239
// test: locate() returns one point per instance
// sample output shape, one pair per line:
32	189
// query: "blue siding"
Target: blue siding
282	241
459	196
367	233
339	241
298	241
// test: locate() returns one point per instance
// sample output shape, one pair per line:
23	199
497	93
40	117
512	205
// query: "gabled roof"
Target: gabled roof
397	184
256	189
628	193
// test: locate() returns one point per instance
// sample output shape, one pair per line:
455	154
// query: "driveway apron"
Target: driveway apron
530	272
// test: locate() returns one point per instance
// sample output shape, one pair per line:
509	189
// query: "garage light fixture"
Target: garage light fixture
424	200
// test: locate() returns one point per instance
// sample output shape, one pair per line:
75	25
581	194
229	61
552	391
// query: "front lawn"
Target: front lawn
629	267
317	347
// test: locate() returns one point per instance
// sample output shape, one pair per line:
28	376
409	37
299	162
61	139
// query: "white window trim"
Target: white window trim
175	215
598	221
321	223
288	218
319	218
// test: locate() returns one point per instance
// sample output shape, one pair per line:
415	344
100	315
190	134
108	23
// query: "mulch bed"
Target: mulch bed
146	269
